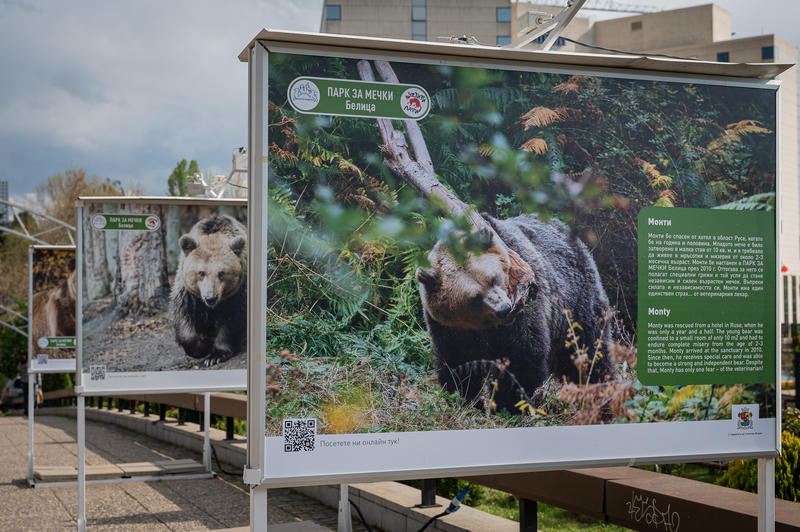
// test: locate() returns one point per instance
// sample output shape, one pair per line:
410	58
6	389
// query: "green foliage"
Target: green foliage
179	176
56	381
346	236
743	474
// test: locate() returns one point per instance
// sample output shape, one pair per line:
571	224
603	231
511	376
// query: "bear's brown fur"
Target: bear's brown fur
472	322
54	309
208	303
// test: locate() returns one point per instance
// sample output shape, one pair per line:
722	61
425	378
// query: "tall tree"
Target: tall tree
57	196
177	179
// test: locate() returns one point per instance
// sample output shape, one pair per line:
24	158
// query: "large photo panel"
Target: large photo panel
162	294
474	269
53	291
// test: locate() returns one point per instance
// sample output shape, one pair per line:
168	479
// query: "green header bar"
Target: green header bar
126	222
366	99
56	342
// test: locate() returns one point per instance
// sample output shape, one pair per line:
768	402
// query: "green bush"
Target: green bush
743	474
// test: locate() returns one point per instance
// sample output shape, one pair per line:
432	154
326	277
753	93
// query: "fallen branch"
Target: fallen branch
420	174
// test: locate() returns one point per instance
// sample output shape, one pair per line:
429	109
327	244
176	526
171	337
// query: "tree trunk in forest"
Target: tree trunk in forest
420	174
142	287
97	277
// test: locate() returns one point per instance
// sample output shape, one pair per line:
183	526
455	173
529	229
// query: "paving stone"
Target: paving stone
203	504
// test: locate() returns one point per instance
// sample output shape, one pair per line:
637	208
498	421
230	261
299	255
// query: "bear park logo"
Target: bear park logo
304	95
99	221
415	102
152	223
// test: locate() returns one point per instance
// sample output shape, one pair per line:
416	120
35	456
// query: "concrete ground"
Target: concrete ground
205	504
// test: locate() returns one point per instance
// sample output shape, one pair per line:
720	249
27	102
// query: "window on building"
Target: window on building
503	40
769	52
333	12
723	57
636	25
419	31
503	14
419	10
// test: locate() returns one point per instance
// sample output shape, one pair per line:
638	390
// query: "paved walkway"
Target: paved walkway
207	504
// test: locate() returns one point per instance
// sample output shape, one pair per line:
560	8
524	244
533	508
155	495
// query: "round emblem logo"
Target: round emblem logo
42	342
414	102
99	221
152	223
304	95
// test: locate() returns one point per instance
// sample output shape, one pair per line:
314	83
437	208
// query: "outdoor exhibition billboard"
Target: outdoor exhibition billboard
162	294
51	303
476	267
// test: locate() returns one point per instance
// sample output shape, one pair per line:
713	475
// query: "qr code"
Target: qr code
299	435
97	373
42	359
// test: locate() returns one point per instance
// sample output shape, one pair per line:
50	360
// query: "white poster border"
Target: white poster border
209	380
766	445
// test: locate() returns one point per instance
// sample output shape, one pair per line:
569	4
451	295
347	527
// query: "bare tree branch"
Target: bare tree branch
420	174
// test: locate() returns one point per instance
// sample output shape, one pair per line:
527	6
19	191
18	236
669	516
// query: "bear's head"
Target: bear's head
470	295
214	264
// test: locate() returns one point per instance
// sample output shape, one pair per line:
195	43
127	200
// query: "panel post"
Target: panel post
528	518
81	464
181	416
766	495
258	509
146	409
229	426
207	434
428	493
162	412
31	403
345	520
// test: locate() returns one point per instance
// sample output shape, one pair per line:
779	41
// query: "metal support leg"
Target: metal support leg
428	493
229	426
345	521
766	495
132	406
162	412
258	509
528	518
81	464
146	409
31	403
119	404
181	416
207	435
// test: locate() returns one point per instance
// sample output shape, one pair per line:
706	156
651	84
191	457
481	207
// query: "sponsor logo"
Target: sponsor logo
42	342
305	95
745	416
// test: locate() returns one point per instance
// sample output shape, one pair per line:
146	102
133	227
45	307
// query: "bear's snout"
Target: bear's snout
211	300
503	311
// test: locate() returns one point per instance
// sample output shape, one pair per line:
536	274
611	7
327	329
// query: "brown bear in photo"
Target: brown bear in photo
472	324
54	309
208	304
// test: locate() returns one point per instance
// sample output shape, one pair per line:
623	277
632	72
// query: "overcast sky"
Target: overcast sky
127	89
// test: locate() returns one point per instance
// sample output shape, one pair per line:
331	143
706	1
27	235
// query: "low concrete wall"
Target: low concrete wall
389	506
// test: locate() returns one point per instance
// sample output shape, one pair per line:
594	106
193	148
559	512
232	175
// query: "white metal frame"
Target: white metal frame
82	393
258	72
32	372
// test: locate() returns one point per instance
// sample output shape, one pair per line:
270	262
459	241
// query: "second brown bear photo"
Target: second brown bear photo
164	286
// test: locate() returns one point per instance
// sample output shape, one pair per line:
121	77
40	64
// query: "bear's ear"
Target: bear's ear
427	276
187	244
238	245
